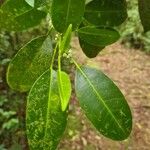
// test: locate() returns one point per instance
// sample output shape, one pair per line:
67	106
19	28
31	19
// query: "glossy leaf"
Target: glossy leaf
18	16
144	9
106	12
103	103
98	36
65	42
64	85
45	121
66	12
29	63
89	50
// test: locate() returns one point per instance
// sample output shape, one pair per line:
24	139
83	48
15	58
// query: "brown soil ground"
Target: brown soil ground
130	70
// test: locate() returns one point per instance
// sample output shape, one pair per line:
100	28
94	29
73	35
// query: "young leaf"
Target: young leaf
98	36
66	12
89	50
65	42
19	15
64	86
64	83
103	103
45	121
29	63
144	10
106	12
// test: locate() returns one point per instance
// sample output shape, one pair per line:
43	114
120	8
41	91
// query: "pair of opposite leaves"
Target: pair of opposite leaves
98	13
106	108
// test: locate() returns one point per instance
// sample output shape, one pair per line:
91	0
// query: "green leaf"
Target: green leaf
89	50
64	85
45	122
103	103
29	63
66	12
144	10
65	42
18	16
106	12
98	36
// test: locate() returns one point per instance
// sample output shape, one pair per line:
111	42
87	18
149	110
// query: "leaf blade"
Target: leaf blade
67	12
64	85
65	42
106	13
15	16
29	63
95	99
46	125
89	50
98	36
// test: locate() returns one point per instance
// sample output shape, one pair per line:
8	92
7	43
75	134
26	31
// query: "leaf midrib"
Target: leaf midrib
50	88
68	10
101	99
90	33
48	108
104	11
60	88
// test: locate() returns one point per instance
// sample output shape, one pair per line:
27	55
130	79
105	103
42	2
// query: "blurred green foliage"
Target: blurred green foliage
132	31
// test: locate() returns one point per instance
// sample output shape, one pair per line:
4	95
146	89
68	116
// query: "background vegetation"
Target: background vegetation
132	30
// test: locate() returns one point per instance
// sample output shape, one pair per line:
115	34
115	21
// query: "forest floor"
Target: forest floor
130	70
